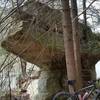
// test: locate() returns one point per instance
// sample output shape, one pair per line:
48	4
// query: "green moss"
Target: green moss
93	44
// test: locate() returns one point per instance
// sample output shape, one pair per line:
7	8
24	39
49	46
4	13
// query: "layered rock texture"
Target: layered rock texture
40	41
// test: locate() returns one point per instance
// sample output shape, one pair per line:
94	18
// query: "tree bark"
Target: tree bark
68	42
23	67
85	22
84	14
76	41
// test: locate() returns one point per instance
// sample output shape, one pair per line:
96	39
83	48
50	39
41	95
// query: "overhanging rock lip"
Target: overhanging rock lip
35	52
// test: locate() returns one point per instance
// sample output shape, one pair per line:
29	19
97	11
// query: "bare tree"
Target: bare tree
76	41
84	14
23	67
68	43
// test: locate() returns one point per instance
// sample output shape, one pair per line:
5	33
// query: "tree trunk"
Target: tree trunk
85	22
76	41
23	67
84	14
68	43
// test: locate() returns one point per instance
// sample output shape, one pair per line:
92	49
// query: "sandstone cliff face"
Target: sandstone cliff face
40	41
40	38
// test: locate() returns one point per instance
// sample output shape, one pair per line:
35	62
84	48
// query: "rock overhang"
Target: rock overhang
40	43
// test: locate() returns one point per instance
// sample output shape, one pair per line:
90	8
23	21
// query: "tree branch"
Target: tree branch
84	10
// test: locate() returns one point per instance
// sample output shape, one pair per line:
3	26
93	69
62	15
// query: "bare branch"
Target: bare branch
84	10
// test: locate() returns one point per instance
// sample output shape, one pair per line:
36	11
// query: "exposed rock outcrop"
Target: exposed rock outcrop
40	41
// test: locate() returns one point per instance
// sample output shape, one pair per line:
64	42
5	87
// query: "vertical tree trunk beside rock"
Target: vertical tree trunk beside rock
84	14
85	22
76	41
68	42
23	67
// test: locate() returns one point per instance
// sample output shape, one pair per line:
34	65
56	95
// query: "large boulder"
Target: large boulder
40	41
